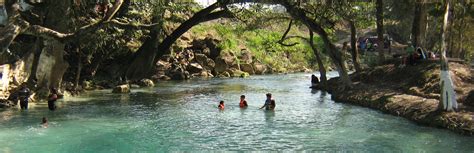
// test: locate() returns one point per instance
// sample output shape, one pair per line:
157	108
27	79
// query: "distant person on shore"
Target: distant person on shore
44	122
314	80
243	102
53	96
269	103
409	57
221	105
362	45
24	95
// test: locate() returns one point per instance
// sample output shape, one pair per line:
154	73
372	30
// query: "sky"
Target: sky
205	2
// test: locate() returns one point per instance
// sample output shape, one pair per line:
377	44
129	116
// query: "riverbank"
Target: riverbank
411	92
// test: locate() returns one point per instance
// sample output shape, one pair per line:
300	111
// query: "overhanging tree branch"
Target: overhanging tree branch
283	37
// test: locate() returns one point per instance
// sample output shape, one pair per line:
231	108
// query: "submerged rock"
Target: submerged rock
224	75
134	86
146	83
238	73
121	89
4	103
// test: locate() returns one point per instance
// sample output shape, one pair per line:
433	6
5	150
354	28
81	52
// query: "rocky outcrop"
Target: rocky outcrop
390	89
260	68
5	103
122	89
247	68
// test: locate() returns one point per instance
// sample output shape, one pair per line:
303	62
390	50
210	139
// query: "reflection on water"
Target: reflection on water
183	116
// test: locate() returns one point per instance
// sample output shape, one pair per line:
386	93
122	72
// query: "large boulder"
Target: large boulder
87	85
207	46
221	66
146	83
246	57
163	65
226	61
204	61
260	68
179	74
195	68
122	89
247	68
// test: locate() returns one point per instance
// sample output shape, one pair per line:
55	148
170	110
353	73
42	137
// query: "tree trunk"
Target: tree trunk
379	16
354	52
125	8
336	55
462	25
39	46
419	23
322	70
145	59
448	96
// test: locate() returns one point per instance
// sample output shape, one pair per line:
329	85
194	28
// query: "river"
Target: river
183	116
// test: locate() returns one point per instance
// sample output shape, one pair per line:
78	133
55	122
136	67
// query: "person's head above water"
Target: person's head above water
242	97
44	121
269	95
221	102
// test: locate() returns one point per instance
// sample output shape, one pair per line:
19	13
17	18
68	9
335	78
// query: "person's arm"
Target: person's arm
263	106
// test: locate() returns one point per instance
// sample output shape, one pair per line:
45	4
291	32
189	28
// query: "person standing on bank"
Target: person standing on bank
269	103
24	95
53	96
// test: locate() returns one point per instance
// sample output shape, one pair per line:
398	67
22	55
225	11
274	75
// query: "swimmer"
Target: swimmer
243	102
221	105
44	122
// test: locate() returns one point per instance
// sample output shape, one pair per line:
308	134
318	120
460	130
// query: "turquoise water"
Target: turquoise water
183	116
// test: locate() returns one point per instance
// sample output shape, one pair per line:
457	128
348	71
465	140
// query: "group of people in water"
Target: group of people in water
268	105
23	95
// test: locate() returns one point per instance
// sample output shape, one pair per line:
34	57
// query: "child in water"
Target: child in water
221	105
44	122
243	102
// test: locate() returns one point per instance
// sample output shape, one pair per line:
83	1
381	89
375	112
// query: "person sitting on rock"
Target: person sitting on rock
314	80
269	103
243	102
53	96
221	105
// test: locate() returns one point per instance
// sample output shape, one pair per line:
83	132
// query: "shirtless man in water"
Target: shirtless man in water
269	103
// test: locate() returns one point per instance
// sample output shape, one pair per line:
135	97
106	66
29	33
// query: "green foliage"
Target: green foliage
262	42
